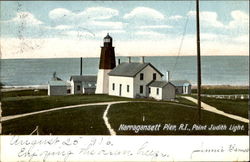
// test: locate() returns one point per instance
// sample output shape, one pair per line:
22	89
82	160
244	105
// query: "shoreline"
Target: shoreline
39	87
25	87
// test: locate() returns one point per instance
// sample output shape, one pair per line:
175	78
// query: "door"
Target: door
120	90
185	90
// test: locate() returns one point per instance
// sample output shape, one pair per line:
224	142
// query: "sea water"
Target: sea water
216	70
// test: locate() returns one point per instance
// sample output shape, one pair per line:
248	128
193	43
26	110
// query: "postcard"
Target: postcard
124	80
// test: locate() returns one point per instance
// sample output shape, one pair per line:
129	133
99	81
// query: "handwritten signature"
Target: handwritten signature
54	147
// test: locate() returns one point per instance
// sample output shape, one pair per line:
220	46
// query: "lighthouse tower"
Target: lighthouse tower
107	63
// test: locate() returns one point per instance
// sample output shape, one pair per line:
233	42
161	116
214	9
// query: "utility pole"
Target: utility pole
198	59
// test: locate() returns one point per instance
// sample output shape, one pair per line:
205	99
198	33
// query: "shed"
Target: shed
182	86
83	84
57	88
161	90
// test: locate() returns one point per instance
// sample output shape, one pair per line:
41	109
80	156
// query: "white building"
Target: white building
131	79
57	88
83	84
161	90
182	86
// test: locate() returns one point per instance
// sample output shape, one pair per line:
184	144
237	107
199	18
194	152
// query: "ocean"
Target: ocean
216	70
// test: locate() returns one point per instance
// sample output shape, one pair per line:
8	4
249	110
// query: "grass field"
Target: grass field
25	104
17	102
88	120
41	92
132	114
77	121
222	90
237	107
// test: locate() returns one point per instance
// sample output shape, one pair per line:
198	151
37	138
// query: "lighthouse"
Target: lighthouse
106	64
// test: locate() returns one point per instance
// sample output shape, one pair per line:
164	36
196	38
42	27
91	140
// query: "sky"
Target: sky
59	29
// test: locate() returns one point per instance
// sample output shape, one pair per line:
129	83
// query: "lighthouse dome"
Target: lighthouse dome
107	41
107	36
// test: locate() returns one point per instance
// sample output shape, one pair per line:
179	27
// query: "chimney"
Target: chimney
129	59
119	61
168	76
81	66
142	59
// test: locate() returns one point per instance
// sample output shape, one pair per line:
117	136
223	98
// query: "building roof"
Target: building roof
58	83
130	69
108	37
180	82
159	84
84	78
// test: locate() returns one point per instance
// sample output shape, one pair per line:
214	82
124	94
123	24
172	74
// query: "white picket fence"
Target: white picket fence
232	97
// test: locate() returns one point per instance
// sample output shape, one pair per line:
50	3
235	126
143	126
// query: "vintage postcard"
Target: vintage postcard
109	72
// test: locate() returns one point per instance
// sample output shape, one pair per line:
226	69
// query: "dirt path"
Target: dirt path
105	118
5	118
214	110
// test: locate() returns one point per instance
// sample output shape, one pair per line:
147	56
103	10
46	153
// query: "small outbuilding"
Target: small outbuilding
57	88
182	86
161	90
83	84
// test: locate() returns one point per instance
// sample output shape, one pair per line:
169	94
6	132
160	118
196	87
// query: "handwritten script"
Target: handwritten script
72	146
144	148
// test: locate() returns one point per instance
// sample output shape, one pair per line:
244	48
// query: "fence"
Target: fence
231	97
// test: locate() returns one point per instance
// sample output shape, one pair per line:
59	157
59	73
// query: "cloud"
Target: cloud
94	13
79	34
150	34
107	24
56	47
175	17
208	36
25	18
208	18
60	27
113	33
242	39
93	17
49	48
59	13
240	19
144	12
99	13
154	27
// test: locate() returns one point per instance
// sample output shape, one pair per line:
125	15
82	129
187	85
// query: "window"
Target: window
149	90
157	91
141	89
141	76
78	87
154	76
107	40
113	86
127	88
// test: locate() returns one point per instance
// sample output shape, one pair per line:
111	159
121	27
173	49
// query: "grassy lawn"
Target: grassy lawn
77	121
42	92
237	107
222	91
132	114
20	105
19	102
184	101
